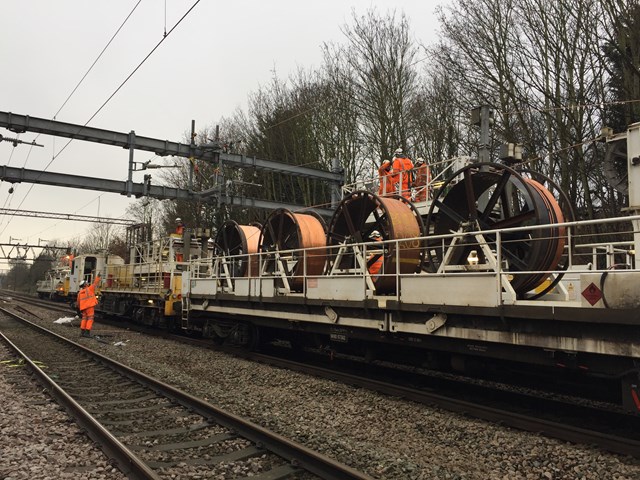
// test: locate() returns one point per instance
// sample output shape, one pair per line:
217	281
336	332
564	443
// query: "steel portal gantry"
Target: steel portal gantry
146	189
210	153
14	251
66	216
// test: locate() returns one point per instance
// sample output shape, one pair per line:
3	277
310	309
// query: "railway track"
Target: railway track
582	424
608	429
7	296
151	429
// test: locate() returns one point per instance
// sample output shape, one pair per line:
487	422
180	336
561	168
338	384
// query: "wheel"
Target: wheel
567	215
485	197
238	241
395	218
283	238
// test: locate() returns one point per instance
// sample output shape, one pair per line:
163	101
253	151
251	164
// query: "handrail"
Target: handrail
356	271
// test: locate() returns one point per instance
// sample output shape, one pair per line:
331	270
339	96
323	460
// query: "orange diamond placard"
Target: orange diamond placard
592	294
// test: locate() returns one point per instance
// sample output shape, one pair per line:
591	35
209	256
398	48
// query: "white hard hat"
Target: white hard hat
420	160
398	151
375	234
178	220
83	283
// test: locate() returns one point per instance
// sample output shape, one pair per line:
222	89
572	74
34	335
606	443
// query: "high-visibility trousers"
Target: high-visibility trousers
87	318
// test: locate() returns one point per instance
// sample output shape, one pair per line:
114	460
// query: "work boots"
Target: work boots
85	333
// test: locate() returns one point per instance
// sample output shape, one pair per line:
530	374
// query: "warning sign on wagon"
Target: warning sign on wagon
592	294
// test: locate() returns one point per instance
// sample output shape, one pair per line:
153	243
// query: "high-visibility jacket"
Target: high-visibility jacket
375	261
386	179
423	178
402	171
87	295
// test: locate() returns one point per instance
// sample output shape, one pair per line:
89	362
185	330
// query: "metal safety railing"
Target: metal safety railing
154	277
580	254
419	192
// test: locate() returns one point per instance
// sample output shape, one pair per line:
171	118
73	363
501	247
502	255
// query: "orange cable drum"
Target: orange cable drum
234	239
291	233
362	213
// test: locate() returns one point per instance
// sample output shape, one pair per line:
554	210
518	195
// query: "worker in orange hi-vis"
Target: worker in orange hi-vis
386	186
402	171
375	259
422	181
179	226
86	303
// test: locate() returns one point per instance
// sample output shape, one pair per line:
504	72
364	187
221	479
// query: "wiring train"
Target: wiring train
56	282
491	267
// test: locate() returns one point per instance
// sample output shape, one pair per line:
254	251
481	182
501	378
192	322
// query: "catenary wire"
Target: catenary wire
97	58
107	101
67	100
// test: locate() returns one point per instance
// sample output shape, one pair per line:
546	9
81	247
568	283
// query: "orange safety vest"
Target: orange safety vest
402	167
386	180
423	178
87	296
376	266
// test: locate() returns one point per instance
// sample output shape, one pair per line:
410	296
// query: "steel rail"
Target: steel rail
557	430
298	455
50	305
520	421
127	461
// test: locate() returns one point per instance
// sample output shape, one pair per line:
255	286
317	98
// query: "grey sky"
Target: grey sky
204	70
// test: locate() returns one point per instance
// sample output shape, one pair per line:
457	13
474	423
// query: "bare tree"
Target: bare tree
377	63
537	62
99	237
435	114
149	211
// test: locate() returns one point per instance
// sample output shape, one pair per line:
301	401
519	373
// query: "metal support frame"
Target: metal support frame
633	167
13	251
360	256
25	123
66	216
281	271
493	263
209	153
223	265
481	116
18	175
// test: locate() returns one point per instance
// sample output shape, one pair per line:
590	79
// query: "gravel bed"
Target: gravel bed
38	440
386	437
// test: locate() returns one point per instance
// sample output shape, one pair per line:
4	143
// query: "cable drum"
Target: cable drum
284	236
363	212
490	196
238	244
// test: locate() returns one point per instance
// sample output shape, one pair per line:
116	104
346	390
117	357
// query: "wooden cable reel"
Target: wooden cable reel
239	245
284	236
492	196
362	212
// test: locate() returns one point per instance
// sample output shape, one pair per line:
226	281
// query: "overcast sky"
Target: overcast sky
204	70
